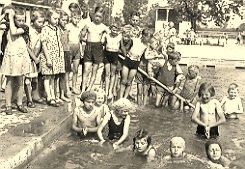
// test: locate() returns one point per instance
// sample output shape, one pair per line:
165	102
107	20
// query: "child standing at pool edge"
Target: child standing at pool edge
208	114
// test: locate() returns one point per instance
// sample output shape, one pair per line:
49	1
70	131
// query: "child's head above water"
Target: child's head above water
233	90
213	151
177	147
206	91
122	107
100	96
88	98
193	71
141	141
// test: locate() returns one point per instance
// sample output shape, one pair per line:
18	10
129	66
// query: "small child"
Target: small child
190	87
208	114
232	104
100	102
177	152
142	146
86	117
112	44
118	121
214	154
169	75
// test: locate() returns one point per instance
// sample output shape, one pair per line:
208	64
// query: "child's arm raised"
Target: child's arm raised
196	114
102	126
14	31
220	113
125	132
240	107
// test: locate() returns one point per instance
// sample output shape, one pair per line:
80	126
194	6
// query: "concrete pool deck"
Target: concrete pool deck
23	136
214	56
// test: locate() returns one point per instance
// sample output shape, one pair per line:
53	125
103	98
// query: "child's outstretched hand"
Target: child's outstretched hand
85	131
115	146
49	64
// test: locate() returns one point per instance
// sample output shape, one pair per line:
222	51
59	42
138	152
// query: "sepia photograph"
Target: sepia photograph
122	84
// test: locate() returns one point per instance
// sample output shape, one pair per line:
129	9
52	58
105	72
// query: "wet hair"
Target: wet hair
37	13
232	86
122	104
142	133
207	144
88	95
206	86
179	139
51	12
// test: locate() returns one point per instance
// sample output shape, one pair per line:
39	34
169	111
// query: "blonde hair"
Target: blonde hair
179	140
123	104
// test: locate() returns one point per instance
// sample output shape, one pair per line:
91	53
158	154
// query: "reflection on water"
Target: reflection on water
72	153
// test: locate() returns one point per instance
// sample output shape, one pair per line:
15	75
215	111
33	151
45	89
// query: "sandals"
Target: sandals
22	109
31	104
53	103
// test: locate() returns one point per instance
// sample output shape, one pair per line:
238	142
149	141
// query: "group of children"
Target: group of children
49	51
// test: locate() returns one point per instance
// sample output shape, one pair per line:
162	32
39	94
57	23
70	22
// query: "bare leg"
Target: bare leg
53	88
8	90
124	80
20	90
112	82
131	76
107	78
145	94
87	69
158	99
47	87
28	89
139	94
75	73
93	76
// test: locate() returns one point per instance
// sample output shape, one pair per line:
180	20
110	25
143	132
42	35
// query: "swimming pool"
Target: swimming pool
69	152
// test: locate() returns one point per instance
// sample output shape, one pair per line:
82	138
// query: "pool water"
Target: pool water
70	152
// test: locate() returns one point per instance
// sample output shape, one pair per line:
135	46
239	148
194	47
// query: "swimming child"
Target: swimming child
232	104
208	114
169	75
189	88
86	117
118	121
100	102
214	154
142	146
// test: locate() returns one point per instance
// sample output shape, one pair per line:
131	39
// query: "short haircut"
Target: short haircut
88	95
147	32
174	55
178	139
76	13
19	11
99	9
195	67
171	45
64	14
232	86
142	133
122	104
135	13
206	86
208	143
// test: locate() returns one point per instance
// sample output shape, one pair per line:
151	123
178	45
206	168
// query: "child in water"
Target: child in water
208	113
215	157
100	102
142	146
232	104
86	117
118	121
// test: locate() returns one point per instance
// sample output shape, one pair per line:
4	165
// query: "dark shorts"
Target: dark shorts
111	57
131	64
67	57
93	52
75	51
214	131
119	64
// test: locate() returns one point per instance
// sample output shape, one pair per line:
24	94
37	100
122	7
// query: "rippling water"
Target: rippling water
70	152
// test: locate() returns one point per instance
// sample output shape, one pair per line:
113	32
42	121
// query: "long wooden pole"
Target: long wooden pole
160	84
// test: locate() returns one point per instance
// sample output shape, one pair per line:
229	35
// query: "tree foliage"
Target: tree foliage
206	10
